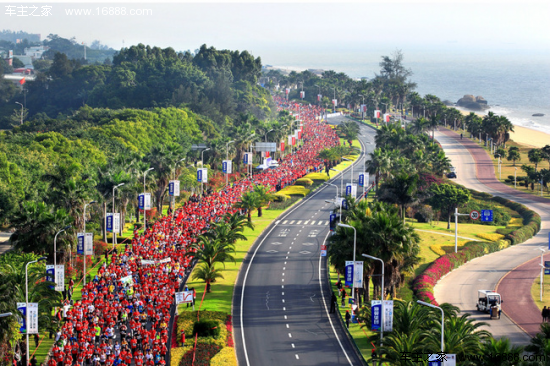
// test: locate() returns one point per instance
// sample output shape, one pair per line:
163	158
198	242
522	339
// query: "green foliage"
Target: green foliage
305	182
207	328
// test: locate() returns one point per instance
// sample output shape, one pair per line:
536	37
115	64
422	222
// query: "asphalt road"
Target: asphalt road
475	170
281	300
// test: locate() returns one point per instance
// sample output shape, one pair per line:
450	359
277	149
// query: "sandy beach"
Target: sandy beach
523	135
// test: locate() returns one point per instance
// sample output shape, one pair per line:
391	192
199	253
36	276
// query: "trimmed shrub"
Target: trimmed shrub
424	213
295	191
490	237
226	357
280	197
305	182
207	328
317	176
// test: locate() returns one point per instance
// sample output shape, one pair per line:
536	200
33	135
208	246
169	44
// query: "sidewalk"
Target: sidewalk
515	286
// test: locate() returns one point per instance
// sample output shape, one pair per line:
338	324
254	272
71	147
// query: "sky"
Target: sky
276	30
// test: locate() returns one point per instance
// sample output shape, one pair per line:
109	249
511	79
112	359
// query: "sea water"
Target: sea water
515	84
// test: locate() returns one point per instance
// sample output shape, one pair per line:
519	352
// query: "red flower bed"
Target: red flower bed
229	325
204	354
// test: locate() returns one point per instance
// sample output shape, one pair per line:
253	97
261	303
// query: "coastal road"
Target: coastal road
281	301
476	171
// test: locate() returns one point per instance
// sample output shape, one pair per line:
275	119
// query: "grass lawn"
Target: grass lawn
535	292
222	290
508	169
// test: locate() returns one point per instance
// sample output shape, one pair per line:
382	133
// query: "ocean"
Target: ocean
515	84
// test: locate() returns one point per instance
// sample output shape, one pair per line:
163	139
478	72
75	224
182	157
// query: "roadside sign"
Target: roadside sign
547	271
376	314
349	274
323	250
486	215
474	215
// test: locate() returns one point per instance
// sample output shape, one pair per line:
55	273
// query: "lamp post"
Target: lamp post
351	168
27	301
114	231
21	111
361	95
55	243
456	227
318	93
173	198
515	174
334	105
499	174
354	249
265	136
3	315
381	294
341	180
227	158
144	210
442	322
541	269
249	166
84	222
202	166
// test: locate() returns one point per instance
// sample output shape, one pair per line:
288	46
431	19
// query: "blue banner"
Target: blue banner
109	225
332	222
141	201
376	314
245	158
199	175
348	190
349	274
345	204
22	307
80	241
361	179
224	167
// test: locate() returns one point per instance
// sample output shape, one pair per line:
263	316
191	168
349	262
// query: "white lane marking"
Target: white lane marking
292	222
284	309
286	317
285	263
283	280
320	223
293	346
326	223
287	326
284	268
283	301
286	256
287	252
284	222
282	286
250	264
326	308
299	222
297	357
307	222
283	273
289	335
282	293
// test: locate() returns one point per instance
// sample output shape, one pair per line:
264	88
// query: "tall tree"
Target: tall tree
446	198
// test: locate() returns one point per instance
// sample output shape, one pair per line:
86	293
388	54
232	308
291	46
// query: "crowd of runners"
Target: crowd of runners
123	316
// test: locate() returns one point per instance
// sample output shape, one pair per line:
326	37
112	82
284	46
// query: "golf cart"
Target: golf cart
452	173
489	302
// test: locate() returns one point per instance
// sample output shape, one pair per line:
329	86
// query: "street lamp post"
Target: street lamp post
84	223
3	315
442	322
341	180
351	168
202	166
265	136
456	227
55	243
362	115
21	111
354	249
249	166
499	173
173	198
381	294
114	231
541	269
335	186
144	210
515	174
27	300
334	105
227	158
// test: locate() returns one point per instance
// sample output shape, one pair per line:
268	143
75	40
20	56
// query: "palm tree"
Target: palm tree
207	273
419	125
108	178
546	151
535	156
249	201
513	154
500	346
237	222
209	251
400	190
265	196
163	159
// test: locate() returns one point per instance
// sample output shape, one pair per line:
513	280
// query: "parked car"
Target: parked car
452	173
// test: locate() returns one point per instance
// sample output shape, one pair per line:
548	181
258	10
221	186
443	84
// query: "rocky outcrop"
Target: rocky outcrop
470	102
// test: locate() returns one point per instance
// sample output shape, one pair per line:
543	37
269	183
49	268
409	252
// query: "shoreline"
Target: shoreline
521	134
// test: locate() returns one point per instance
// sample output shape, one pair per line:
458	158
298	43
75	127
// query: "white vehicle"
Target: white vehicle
486	299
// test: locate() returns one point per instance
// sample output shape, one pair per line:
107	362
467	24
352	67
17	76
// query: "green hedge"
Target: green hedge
424	283
207	328
531	221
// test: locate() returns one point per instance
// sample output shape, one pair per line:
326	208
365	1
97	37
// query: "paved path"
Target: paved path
282	297
476	171
4	242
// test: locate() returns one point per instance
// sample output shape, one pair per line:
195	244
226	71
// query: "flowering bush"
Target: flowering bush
226	357
203	354
100	247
